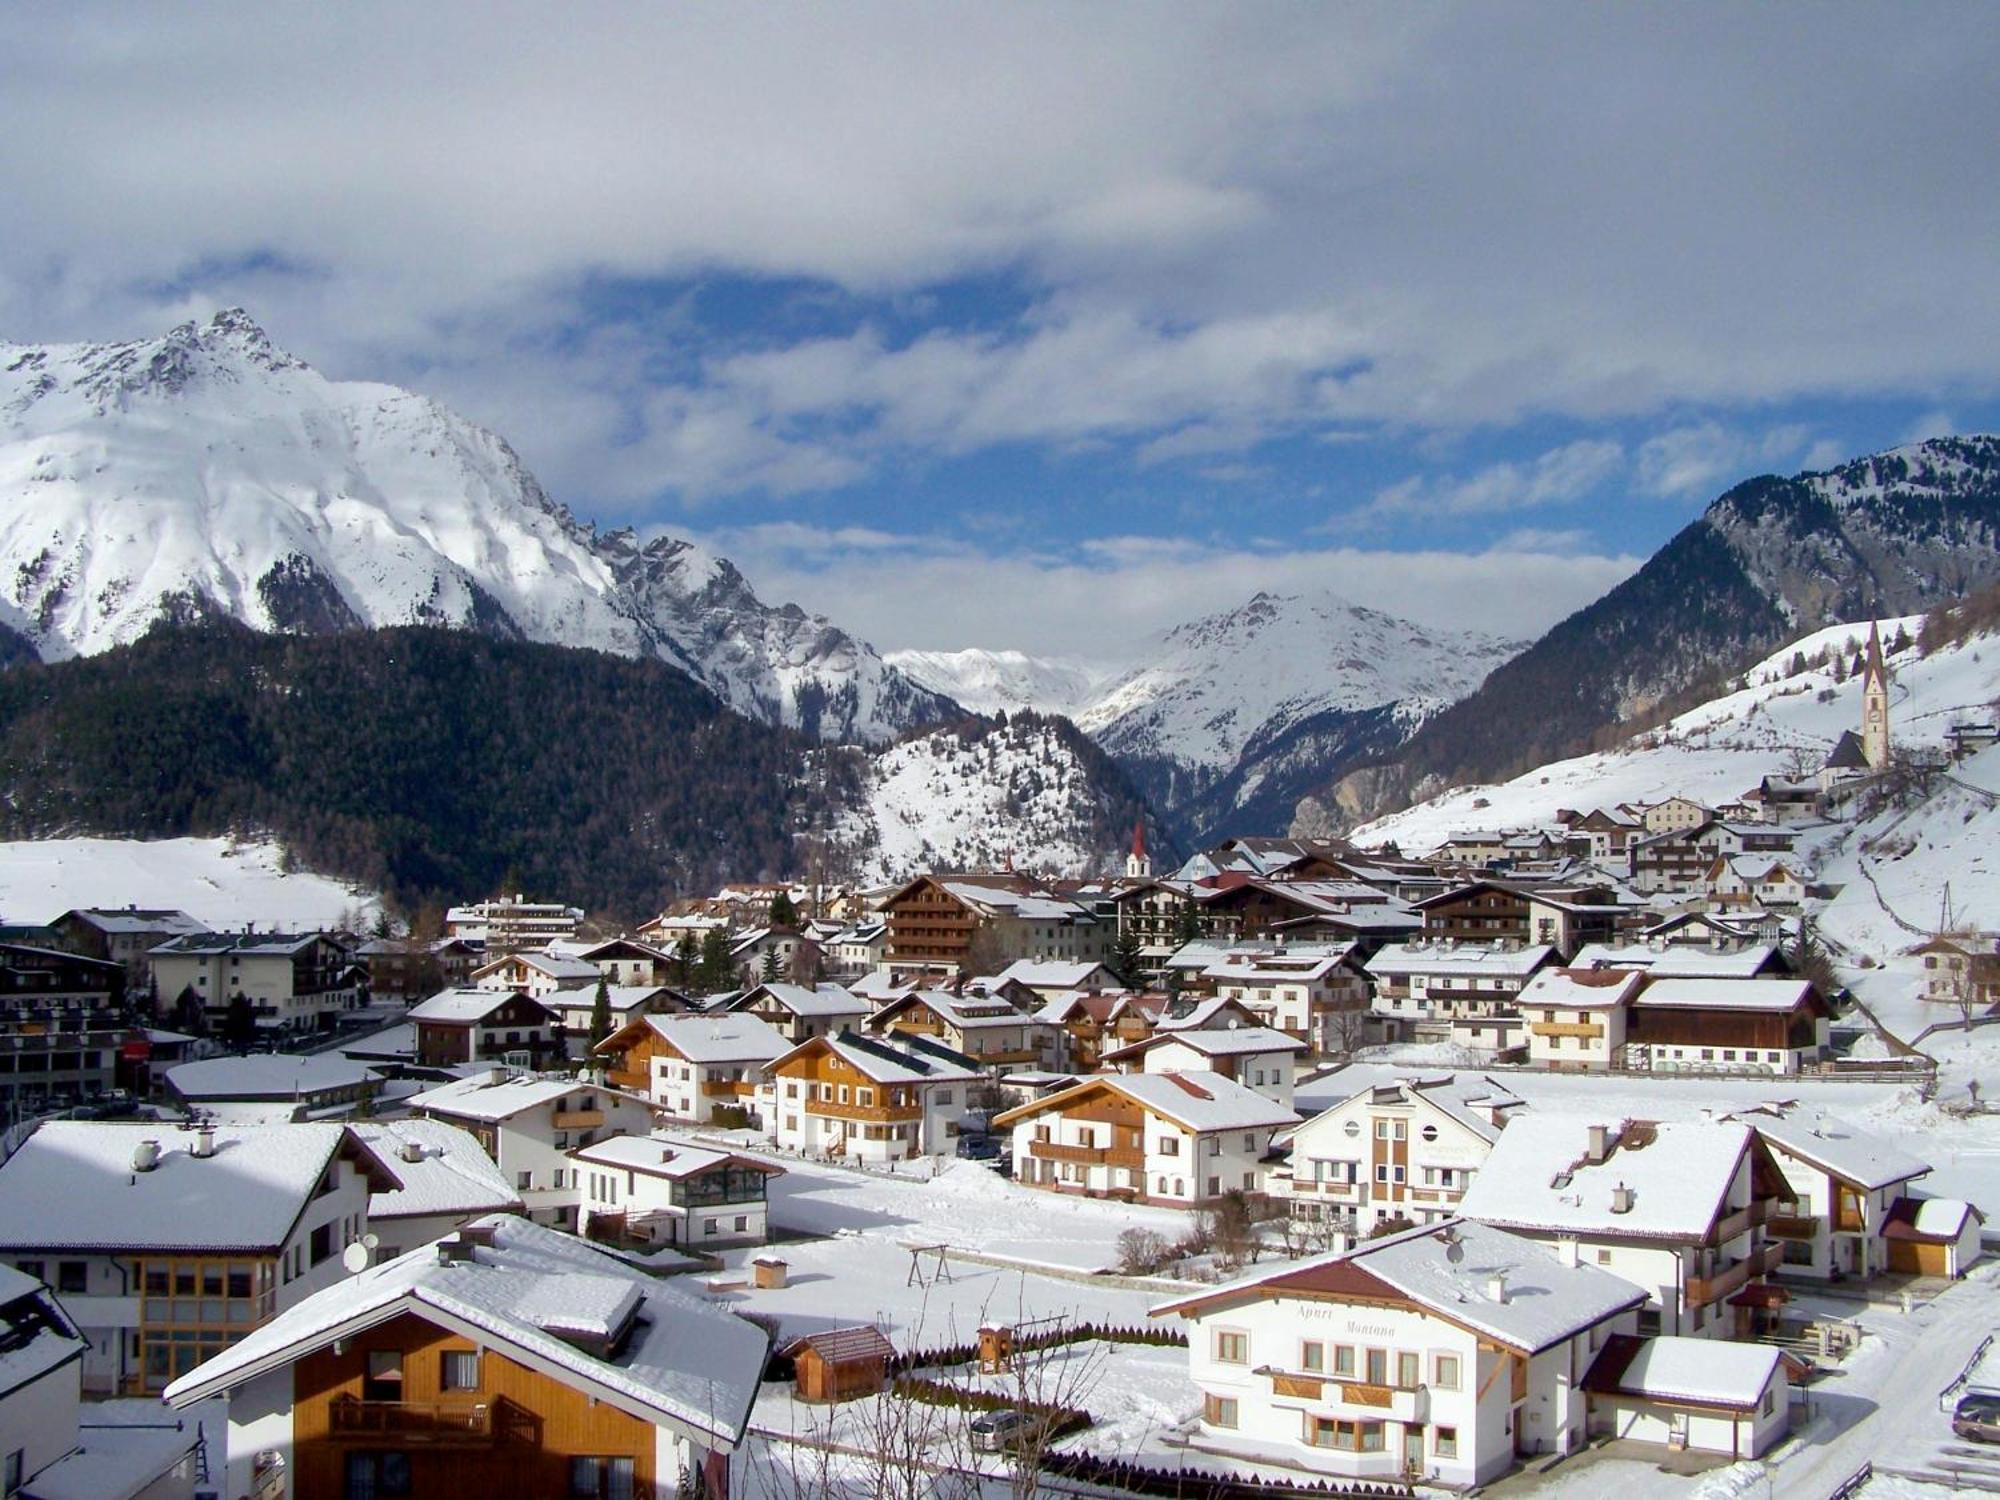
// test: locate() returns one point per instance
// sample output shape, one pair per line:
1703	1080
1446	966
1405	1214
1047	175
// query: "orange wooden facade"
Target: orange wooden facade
515	1434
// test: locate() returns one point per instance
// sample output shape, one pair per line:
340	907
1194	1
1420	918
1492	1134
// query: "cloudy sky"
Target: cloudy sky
1045	326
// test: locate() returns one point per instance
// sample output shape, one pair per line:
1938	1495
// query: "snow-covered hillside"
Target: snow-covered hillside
208	471
1032	793
217	881
989	682
1779	723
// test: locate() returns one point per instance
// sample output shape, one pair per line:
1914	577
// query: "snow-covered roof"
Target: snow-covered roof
1677	1173
1670	962
1206	1013
1468	1098
967	1012
1452	1270
1231	1041
894	1059
1029	906
1460	958
1936	1220
136	921
1275	968
1780	996
656	1156
497	1095
123	1449
266	1075
809	1004
1855	1157
718	1036
238	944
35	1337
74	1185
1581	989
622	999
686	1364
1051	974
463	1007
1694	1372
1197	1101
442	1170
551	965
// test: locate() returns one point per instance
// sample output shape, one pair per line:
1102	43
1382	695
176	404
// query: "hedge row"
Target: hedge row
1194	1484
1156	1336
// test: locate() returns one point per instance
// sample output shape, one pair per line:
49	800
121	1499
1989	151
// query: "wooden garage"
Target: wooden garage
1932	1236
839	1364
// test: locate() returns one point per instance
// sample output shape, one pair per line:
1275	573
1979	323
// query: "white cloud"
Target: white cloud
1104	600
1560	476
1222	224
1698	461
1931	424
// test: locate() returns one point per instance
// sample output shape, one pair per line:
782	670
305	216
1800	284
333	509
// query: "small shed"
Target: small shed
840	1364
1932	1236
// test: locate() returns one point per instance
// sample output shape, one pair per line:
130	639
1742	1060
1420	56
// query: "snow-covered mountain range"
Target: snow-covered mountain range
209	472
1225	721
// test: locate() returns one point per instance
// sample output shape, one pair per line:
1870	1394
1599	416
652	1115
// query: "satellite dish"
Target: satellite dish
1454	1252
355	1258
372	1241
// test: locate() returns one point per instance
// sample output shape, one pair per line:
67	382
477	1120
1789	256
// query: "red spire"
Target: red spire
1139	839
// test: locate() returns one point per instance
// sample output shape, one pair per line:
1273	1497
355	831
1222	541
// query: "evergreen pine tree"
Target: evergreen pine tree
714	973
1127	959
686	956
768	970
600	1012
1187	925
239	1025
783	913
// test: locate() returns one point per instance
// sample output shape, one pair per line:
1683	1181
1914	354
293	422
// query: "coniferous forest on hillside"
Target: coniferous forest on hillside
430	764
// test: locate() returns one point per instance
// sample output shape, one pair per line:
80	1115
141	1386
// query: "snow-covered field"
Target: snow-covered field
222	883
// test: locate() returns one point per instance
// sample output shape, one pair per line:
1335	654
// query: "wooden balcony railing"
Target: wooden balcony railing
1588	1030
579	1119
413	1421
1744	1219
1083	1156
873	1114
1793	1226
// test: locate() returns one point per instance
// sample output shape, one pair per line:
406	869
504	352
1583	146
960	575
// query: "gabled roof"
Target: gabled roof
1449	1271
1195	1101
75	1185
1582	989
1460	958
469	1007
1052	974
1671	962
861	1341
1469	1099
564	971
706	1036
266	1075
1773	996
1930	1221
498	1095
1234	1041
655	1156
900	1059
1835	1147
686	1364
135	921
450	1173
240	944
966	1012
1539	1177
811	1004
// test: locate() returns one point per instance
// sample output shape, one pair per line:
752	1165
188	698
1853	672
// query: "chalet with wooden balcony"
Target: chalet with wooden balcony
1727	1025
1094	1024
1678	1208
536	973
875	1099
528	1125
966	924
1445	990
1449	1352
1490	911
1181	1140
801	1012
692	1065
1315	992
1575	1019
1758	881
648	1191
506	1360
990	1032
1393	1154
167	1245
483	1025
1254	1056
1842	1184
629	960
1962	968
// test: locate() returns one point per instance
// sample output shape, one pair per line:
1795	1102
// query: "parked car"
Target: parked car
1977	1416
997	1431
978	1147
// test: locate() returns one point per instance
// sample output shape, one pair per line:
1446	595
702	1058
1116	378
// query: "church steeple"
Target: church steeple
1139	864
1875	702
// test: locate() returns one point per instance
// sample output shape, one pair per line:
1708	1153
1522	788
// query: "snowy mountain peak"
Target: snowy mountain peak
208	472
